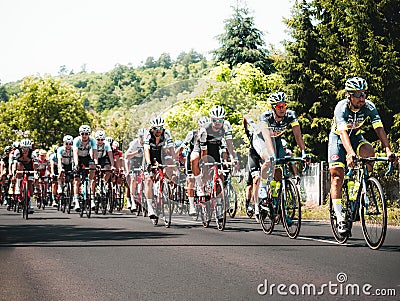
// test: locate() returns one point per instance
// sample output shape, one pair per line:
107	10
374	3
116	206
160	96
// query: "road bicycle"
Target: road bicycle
162	195
104	191
118	187
281	203
24	198
214	202
139	197
180	200
230	190
363	199
43	192
85	192
65	200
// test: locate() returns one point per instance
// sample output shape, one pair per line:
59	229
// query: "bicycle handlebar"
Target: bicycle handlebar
288	159
374	159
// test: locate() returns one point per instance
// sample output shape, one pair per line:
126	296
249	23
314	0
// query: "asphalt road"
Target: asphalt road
55	256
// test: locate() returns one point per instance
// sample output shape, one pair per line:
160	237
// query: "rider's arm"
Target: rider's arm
111	158
380	131
299	138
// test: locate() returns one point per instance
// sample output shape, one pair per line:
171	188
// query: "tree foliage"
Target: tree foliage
46	109
242	42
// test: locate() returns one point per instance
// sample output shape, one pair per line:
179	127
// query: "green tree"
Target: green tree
46	108
242	42
164	60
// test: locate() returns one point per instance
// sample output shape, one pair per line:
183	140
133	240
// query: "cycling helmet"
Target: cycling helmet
178	143
355	84
157	121
26	143
141	132
85	129
100	134
284	143
115	144
203	120
16	144
68	139
109	139
217	112
7	149
276	98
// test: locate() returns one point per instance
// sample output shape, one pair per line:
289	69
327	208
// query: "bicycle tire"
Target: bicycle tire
24	197
166	205
266	216
231	199
340	238
205	214
221	221
291	209
373	214
88	200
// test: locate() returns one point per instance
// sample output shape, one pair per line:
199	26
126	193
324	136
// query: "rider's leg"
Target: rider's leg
149	196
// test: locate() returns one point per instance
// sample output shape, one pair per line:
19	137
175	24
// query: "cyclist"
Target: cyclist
4	171
209	143
346	141
134	159
188	144
158	149
65	159
84	149
278	119
104	153
43	169
24	160
53	175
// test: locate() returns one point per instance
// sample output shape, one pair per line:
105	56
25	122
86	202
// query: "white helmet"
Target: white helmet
68	139
100	134
203	120
115	144
26	143
217	112
16	144
85	129
141	132
157	121
276	98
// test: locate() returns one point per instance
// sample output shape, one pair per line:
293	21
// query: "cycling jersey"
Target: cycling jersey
27	161
102	150
277	127
42	166
66	157
157	150
211	140
137	160
84	150
346	119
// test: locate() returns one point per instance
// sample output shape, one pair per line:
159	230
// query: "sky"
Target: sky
40	36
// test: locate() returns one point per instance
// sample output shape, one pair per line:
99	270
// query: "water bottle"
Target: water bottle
275	186
262	192
353	189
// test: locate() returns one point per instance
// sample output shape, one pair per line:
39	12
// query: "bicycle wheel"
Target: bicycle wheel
231	198
221	206
291	209
373	214
166	205
266	216
25	201
88	200
205	213
340	238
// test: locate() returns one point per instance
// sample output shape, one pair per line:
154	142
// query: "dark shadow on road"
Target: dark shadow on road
39	234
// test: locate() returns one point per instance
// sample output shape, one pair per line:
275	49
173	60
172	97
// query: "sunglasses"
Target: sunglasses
84	134
140	136
280	106
68	143
214	120
359	94
159	128
100	139
25	148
